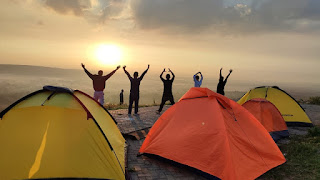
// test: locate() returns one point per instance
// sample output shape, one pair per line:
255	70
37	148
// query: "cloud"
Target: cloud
227	16
151	14
191	16
76	7
312	10
113	9
98	11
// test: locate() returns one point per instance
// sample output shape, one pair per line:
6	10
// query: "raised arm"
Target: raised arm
201	76
162	74
124	68
194	76
145	72
111	73
230	71
173	76
87	72
220	72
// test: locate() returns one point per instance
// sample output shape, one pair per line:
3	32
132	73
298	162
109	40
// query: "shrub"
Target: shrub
314	131
314	100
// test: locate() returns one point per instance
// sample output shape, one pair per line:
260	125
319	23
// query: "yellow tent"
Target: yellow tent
60	133
290	109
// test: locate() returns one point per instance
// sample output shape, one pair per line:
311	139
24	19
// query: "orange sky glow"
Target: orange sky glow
248	40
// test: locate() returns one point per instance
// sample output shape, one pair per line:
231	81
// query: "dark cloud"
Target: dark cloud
221	16
151	14
77	7
312	11
217	15
96	11
287	15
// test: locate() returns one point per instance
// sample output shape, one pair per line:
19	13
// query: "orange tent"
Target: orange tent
214	134
269	116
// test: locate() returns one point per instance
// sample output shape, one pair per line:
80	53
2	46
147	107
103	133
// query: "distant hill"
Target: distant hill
27	70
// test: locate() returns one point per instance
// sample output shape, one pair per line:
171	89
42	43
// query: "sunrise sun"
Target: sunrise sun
108	54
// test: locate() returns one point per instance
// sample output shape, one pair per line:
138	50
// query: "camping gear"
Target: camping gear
214	134
60	133
290	109
269	116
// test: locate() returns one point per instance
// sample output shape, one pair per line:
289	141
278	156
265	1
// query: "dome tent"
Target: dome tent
290	109
60	133
269	116
214	134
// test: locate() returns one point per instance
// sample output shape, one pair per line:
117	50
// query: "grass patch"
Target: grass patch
303	158
314	100
314	132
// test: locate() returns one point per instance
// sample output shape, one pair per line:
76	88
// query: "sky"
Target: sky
261	40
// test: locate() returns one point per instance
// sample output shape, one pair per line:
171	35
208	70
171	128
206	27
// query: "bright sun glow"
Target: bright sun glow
108	54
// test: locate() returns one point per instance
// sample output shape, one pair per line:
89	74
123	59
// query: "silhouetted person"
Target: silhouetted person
134	89
197	82
167	89
222	83
121	97
99	83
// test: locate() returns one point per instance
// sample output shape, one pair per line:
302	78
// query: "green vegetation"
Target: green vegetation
314	100
314	132
303	158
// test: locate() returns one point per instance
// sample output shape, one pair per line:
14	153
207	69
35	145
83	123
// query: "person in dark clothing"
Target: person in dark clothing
99	83
167	89
121	97
222	83
134	89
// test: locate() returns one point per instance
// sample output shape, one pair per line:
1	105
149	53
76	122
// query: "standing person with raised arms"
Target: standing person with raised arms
135	89
167	89
197	82
99	83
222	83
